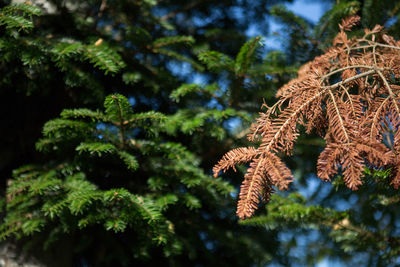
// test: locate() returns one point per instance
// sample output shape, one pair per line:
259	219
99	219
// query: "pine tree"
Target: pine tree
126	141
121	162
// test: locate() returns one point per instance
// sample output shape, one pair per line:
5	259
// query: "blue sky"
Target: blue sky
311	10
308	9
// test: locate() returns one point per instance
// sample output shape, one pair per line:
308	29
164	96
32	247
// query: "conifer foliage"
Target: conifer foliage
112	144
62	193
113	168
349	95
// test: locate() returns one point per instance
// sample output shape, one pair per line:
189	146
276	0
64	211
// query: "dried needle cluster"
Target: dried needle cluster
349	96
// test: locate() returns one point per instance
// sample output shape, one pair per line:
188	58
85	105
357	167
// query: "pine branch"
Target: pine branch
216	61
14	16
180	57
104	57
171	40
246	53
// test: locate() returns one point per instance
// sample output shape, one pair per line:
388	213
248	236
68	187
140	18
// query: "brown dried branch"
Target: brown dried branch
251	189
353	114
235	156
349	22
